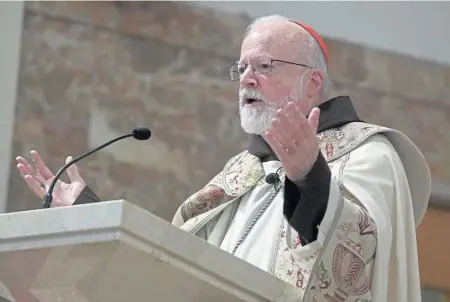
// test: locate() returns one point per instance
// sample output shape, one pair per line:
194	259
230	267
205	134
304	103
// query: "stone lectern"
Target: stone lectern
115	251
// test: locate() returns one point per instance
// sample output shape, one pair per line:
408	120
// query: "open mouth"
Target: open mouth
249	101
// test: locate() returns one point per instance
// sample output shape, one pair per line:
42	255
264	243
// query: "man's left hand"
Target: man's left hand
294	141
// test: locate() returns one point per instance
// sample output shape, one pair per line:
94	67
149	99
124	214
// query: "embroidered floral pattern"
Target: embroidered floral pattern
350	257
296	242
241	174
294	265
208	198
204	200
336	142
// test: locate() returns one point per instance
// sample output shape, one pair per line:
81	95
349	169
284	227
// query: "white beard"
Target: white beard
257	119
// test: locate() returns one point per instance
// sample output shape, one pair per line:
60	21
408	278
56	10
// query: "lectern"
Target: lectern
114	251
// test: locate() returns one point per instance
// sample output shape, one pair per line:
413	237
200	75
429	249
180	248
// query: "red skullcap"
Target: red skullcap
316	36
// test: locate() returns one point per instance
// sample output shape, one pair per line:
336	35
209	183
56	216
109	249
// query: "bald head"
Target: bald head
280	38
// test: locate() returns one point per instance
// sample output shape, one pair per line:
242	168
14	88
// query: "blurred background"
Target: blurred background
75	74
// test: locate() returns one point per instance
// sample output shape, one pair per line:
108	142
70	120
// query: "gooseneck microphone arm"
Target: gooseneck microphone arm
138	133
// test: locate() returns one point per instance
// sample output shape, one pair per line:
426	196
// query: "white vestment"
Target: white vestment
366	246
259	246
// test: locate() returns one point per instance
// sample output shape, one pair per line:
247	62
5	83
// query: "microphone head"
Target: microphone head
142	134
272	178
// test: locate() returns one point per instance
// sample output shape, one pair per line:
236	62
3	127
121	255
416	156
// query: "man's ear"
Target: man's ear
315	83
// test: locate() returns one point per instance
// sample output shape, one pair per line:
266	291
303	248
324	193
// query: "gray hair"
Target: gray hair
316	59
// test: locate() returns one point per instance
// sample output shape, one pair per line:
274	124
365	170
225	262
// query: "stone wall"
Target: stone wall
91	71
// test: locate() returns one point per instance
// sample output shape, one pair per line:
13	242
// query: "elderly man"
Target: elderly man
320	199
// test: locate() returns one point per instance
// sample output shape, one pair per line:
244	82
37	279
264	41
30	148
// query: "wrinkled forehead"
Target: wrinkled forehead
276	40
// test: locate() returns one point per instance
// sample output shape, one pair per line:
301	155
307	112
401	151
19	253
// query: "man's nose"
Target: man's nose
248	78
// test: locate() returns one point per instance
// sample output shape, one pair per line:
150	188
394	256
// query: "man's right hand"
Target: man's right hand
40	178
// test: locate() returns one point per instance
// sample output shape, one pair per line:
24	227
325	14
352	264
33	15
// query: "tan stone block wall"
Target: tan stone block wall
92	70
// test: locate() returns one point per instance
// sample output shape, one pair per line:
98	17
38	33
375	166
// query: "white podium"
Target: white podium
117	252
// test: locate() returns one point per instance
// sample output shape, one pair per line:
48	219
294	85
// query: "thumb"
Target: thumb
313	119
72	171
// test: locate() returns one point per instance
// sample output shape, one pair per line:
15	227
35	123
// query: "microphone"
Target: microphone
138	133
273	178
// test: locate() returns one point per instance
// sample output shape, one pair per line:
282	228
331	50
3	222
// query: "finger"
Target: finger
291	113
300	134
288	121
26	165
287	129
297	112
297	119
278	128
21	160
277	147
302	109
303	125
24	171
72	171
40	165
300	112
313	119
35	186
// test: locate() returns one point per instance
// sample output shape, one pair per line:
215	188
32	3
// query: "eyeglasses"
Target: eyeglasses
259	66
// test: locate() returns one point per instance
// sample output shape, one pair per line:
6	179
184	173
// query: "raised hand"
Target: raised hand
293	139
40	178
